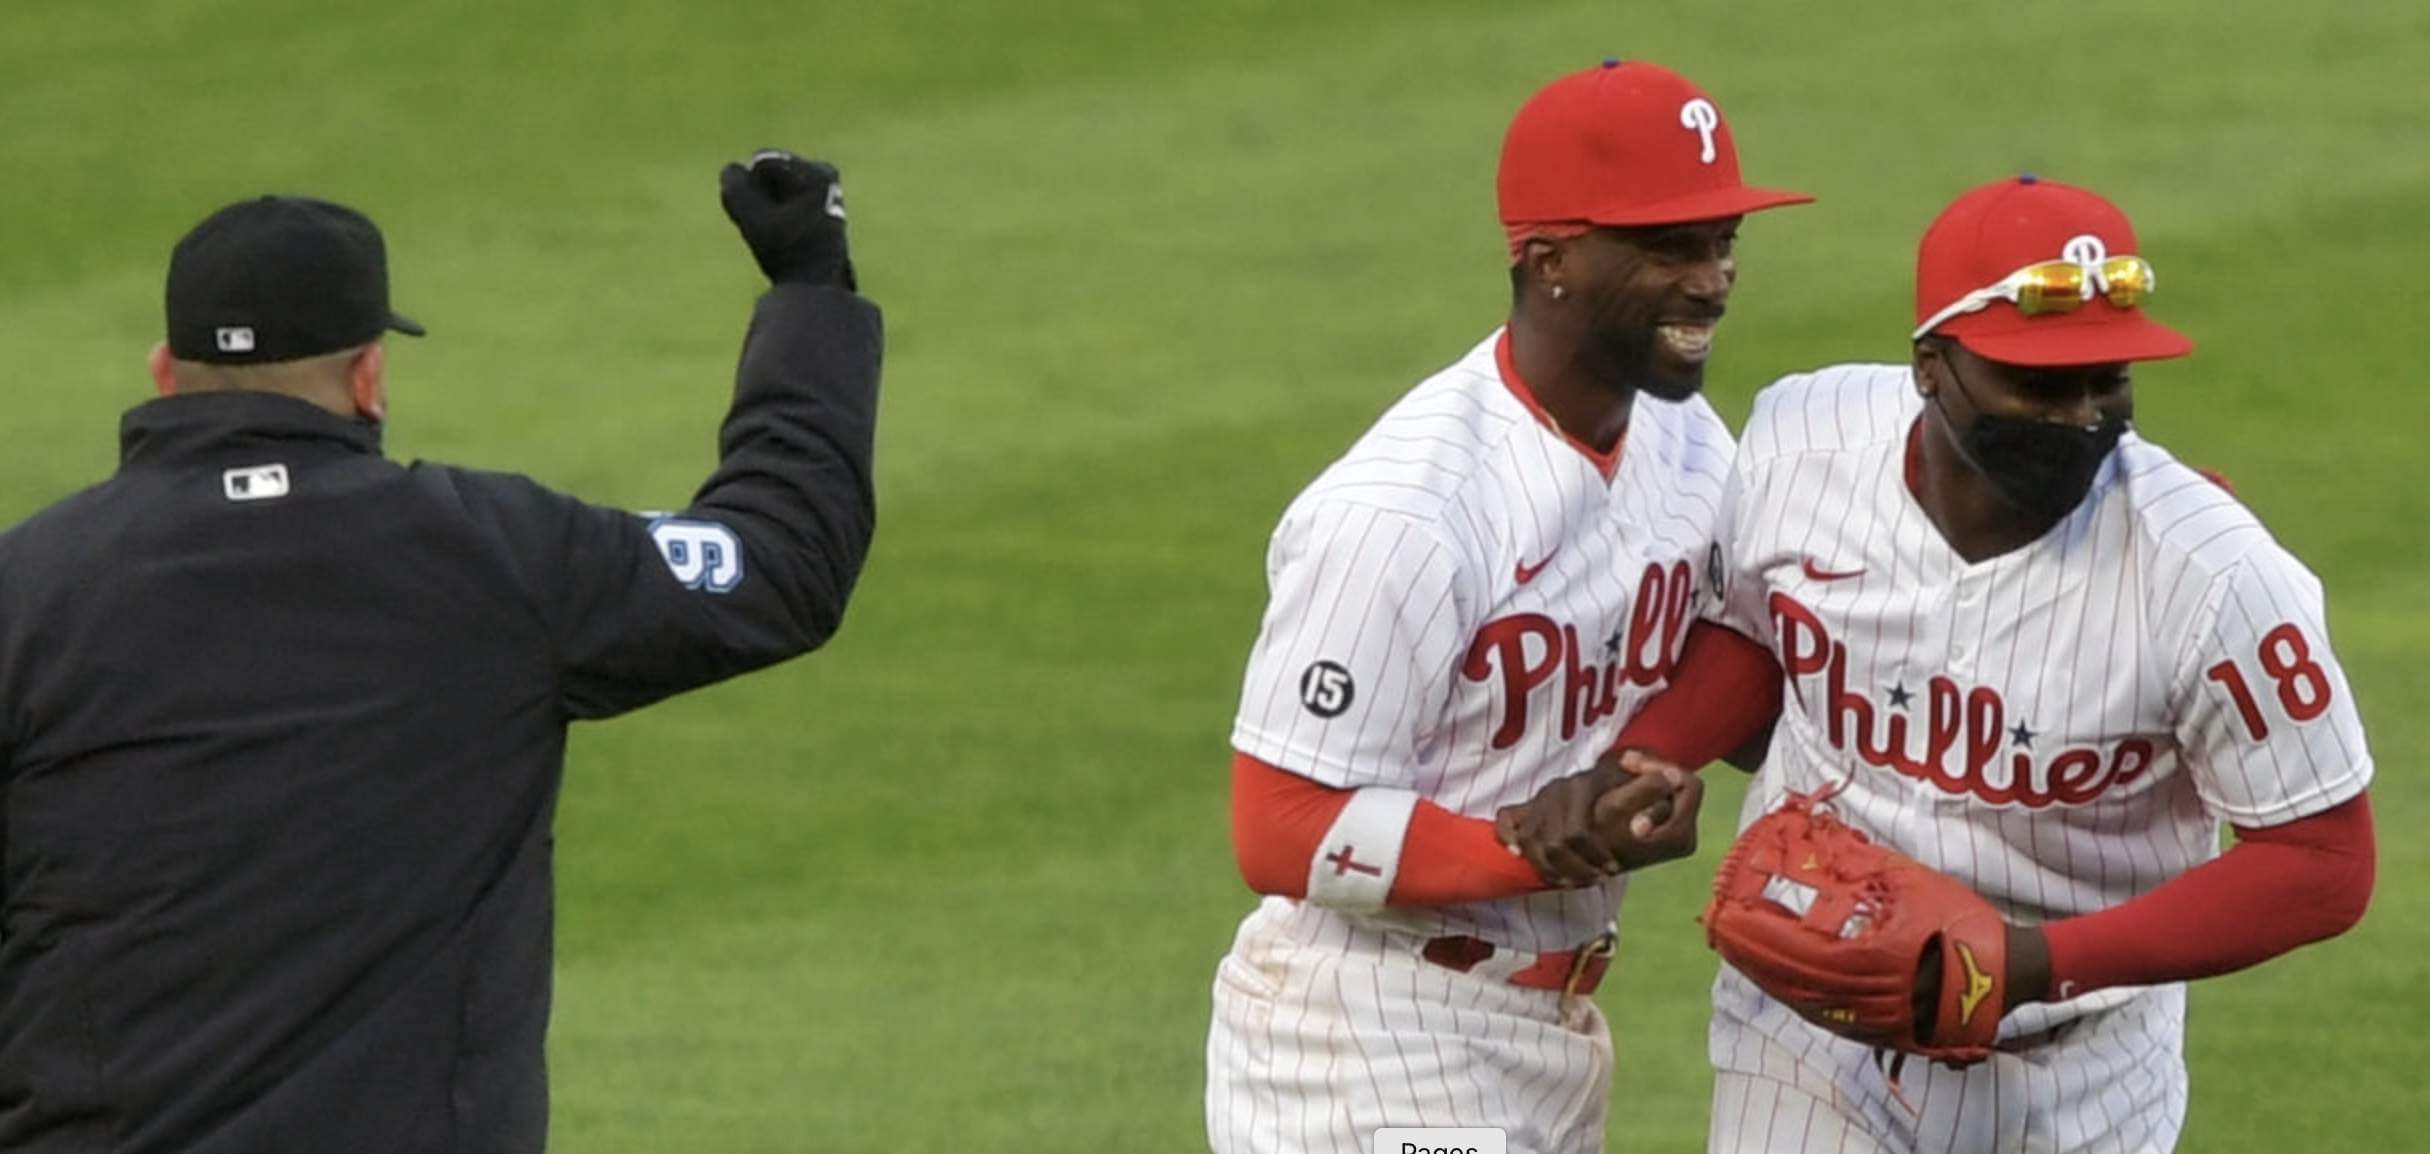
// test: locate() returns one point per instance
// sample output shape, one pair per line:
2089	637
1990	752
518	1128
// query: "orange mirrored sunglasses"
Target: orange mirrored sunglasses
2056	286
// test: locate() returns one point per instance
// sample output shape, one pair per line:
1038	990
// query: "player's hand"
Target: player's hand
1554	830
1645	827
791	212
1628	812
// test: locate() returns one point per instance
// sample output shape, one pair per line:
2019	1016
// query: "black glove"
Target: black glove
791	212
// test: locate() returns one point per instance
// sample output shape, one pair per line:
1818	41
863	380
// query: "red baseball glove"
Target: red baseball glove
1860	939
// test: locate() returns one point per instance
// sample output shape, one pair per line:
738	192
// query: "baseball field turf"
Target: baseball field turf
958	882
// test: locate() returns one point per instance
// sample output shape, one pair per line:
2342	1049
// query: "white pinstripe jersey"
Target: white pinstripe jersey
2063	726
1467	606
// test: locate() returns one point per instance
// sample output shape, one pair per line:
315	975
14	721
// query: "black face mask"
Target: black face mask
2039	468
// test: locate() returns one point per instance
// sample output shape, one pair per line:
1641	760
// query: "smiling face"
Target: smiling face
1653	296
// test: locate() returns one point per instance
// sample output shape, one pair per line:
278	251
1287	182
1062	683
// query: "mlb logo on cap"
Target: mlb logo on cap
235	339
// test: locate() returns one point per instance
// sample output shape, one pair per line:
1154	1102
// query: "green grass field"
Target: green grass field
958	882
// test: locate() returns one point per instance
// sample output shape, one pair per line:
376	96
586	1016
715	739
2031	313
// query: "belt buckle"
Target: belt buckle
1600	948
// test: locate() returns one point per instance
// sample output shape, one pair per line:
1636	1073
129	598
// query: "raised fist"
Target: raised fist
791	212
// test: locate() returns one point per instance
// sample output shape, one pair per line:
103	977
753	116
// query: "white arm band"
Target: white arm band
1358	858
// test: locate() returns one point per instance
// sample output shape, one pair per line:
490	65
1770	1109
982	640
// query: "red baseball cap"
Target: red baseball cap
1993	231
1624	144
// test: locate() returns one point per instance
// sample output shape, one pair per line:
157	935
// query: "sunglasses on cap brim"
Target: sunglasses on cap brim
2055	286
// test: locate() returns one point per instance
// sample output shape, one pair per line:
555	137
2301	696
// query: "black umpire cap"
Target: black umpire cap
279	278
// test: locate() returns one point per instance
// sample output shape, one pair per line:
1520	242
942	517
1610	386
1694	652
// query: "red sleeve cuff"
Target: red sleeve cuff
1279	822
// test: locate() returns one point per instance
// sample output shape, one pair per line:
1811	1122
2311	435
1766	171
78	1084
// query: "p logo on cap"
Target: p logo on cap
1700	116
2084	251
234	339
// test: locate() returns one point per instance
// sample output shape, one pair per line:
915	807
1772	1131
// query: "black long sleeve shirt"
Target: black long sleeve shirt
282	724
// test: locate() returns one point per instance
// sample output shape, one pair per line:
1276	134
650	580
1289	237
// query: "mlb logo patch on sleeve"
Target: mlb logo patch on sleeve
254	482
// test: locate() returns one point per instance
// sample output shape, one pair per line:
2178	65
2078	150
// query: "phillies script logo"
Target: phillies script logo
1526	649
1970	743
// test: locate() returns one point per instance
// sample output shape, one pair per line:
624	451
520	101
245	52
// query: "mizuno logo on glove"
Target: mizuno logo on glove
1978	984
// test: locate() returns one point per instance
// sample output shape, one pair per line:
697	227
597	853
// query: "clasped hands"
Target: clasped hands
1630	811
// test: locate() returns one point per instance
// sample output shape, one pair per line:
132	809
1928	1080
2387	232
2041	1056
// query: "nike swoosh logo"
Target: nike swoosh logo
1816	572
1528	572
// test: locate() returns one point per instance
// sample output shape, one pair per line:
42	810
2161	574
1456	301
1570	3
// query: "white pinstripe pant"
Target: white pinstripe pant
2113	1082
1325	1031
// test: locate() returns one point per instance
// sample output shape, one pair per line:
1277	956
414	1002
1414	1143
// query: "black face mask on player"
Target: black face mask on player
2040	468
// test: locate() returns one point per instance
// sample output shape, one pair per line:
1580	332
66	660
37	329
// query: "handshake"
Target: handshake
1630	811
791	212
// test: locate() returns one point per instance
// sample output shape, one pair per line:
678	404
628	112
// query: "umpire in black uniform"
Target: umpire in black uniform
284	720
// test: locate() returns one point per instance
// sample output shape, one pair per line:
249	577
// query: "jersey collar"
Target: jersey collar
1607	464
183	426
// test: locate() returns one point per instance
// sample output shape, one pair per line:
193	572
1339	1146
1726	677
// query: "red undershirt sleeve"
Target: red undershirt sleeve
1279	823
1724	690
2277	888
